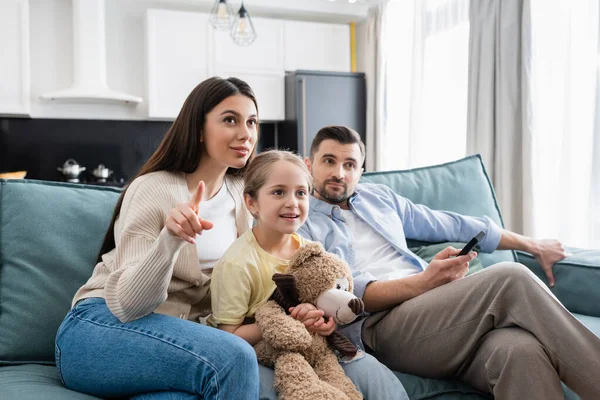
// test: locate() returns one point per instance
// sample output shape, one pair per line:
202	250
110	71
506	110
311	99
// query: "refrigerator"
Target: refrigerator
316	99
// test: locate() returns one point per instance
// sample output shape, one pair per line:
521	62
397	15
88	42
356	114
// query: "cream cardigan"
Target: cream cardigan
151	270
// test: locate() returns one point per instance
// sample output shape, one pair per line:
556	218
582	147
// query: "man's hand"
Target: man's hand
445	268
313	319
547	252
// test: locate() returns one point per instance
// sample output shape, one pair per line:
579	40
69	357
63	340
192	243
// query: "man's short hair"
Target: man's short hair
340	134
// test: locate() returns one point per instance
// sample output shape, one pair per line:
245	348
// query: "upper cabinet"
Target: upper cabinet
316	46
183	49
260	65
265	54
14	66
178	58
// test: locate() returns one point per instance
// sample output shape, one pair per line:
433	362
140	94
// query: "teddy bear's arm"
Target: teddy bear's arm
280	330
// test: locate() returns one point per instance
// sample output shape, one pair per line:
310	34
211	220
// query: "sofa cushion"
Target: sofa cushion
577	279
50	234
35	382
461	186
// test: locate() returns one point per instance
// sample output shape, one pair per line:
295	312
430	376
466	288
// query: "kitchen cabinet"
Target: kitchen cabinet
184	49
177	58
316	46
260	65
14	64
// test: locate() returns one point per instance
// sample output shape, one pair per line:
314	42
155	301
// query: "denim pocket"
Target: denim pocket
57	359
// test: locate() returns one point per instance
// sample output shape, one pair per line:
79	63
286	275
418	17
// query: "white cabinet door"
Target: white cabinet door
14	62
178	58
265	54
260	65
317	46
269	89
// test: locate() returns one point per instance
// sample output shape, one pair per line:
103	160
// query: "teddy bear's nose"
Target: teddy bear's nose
357	306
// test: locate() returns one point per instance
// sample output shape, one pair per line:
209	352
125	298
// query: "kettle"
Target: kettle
101	173
71	170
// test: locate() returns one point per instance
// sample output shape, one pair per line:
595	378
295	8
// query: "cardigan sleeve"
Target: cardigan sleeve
145	252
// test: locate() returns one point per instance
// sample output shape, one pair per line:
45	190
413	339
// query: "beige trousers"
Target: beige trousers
500	329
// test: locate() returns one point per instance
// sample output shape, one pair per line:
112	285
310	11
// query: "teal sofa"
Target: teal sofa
50	233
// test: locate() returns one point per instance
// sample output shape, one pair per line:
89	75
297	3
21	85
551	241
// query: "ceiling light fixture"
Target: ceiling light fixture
243	32
221	15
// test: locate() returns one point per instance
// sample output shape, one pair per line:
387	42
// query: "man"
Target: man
501	329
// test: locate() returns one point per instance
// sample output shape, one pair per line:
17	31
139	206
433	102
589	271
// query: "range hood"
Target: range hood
89	59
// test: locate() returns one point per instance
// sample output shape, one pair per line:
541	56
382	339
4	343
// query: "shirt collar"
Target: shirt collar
323	207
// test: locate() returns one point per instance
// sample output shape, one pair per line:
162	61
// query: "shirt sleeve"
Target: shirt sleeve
231	288
422	223
361	281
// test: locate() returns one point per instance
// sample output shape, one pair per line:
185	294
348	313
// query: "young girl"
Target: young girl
276	192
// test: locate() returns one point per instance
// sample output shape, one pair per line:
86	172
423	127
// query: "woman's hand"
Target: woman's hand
183	220
312	318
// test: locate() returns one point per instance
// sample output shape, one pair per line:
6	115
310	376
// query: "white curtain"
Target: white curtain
498	124
426	65
371	42
565	121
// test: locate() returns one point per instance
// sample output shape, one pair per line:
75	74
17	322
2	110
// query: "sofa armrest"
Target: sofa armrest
577	279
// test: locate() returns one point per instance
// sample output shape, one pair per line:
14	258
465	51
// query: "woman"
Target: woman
133	329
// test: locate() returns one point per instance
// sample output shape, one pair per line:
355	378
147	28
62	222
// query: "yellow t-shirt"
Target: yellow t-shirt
241	280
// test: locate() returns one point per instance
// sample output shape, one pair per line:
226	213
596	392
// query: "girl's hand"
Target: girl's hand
183	220
323	328
306	313
313	319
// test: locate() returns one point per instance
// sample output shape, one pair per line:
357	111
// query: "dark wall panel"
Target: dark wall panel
39	146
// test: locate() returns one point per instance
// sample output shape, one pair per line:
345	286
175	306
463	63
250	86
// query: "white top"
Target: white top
211	245
373	254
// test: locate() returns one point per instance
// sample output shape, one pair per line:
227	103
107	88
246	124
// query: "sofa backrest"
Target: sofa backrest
50	234
462	186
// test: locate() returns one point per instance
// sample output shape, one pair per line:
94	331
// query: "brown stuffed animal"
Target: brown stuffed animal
306	366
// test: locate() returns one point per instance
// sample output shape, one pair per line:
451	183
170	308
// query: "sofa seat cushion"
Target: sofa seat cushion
35	382
592	323
50	235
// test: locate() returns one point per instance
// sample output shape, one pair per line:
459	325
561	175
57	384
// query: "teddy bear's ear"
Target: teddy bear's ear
305	252
286	286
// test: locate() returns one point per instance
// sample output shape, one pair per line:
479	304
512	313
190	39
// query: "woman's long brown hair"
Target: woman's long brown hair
181	147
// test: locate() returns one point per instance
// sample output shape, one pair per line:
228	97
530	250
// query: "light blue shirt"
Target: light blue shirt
396	219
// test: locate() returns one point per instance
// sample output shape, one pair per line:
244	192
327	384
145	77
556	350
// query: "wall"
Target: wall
52	55
39	145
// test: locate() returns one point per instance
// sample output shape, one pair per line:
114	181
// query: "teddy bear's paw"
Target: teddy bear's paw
311	390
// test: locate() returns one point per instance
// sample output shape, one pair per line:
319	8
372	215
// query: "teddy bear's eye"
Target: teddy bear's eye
346	289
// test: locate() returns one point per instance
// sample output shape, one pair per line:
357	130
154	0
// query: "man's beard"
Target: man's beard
331	198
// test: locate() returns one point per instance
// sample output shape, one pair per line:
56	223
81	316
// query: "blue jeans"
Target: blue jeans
155	357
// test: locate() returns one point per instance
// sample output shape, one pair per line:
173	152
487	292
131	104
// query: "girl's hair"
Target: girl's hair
258	170
181	147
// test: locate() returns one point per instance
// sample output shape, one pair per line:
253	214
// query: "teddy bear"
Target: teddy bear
306	364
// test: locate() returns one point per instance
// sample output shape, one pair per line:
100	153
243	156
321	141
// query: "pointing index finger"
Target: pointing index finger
197	196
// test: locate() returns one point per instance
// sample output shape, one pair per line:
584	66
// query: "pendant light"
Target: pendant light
221	15
243	32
